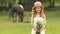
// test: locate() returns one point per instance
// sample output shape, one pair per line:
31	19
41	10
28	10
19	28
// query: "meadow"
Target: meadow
8	27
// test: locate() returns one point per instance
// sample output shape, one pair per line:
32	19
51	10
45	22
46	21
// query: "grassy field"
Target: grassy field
8	27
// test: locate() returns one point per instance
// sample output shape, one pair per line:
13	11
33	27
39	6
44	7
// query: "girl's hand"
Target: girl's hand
35	29
38	30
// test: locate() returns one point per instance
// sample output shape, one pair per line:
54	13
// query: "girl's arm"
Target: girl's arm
32	23
44	24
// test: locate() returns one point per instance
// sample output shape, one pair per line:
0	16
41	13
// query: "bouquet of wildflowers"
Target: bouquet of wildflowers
38	26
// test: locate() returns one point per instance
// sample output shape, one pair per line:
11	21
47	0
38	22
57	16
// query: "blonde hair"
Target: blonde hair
34	12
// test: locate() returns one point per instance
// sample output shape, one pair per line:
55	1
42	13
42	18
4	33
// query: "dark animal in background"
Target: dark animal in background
18	9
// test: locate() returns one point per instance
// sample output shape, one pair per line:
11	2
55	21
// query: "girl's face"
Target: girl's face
38	9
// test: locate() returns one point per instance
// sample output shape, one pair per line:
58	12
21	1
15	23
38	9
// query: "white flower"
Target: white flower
41	20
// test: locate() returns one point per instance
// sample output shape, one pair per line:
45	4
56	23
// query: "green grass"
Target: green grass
8	27
53	21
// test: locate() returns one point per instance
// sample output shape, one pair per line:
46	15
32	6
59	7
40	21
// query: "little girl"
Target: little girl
37	14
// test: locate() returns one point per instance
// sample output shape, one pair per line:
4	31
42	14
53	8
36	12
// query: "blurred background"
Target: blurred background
6	4
51	8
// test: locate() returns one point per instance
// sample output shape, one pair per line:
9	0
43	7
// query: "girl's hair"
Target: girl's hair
41	12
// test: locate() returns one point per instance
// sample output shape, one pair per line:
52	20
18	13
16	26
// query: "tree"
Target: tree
51	2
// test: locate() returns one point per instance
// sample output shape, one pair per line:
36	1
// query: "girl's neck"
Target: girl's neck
37	15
